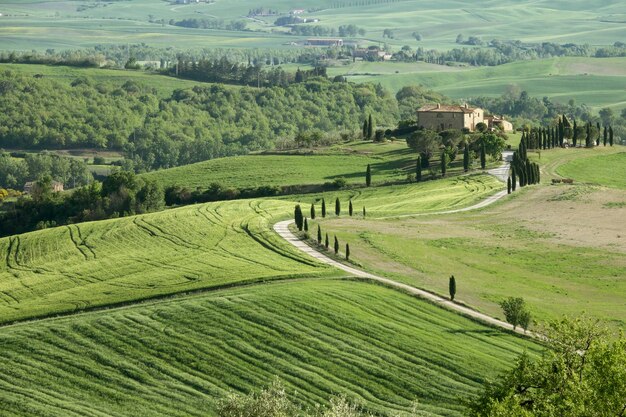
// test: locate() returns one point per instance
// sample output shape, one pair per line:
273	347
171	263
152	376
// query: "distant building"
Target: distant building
296	11
441	117
324	42
29	187
372	54
494	122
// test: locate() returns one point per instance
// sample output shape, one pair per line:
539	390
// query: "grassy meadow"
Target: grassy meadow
606	170
323	338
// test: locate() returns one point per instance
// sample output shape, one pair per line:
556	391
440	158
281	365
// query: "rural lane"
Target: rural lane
282	228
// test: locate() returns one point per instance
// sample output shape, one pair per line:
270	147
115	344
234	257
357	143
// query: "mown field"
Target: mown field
323	338
68	269
559	247
607	170
67	24
390	162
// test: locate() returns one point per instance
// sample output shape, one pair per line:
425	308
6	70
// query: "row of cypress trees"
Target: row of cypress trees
323	211
554	136
303	225
523	171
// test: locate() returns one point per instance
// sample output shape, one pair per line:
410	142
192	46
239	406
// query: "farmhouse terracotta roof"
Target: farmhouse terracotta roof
440	108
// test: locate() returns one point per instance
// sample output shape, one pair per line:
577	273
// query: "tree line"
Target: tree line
15	171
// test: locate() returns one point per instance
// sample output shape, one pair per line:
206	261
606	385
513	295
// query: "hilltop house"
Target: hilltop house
441	117
498	122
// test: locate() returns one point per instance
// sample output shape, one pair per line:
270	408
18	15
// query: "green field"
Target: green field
593	81
68	269
67	24
389	161
607	170
322	338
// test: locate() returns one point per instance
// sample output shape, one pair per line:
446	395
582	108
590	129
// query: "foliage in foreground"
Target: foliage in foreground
582	373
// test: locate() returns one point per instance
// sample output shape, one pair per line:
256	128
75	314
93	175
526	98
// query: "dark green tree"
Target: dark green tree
347	252
306	225
513	180
418	169
508	185
298	217
611	135
336	246
466	158
370	128
312	211
368	175
365	129
363	211
350	208
444	163
483	156
326	242
323	208
598	136
605	135
319	234
337	207
452	287
575	134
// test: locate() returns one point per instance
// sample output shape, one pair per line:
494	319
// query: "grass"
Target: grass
606	170
322	338
68	269
390	162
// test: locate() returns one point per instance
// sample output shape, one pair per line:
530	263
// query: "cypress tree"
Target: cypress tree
312	211
605	135
452	287
336	246
337	207
483	155
444	163
598	137
306	225
538	173
350	208
508	185
298	218
365	129
368	175
588	139
529	173
370	128
466	158
319	234
363	211
575	135
513	180
347	252
323	208
611	135
418	169
326	243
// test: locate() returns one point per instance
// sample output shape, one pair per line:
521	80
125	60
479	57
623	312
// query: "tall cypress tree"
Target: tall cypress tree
483	155
323	208
326	242
466	158
605	135
298	218
444	163
319	234
599	130
312	211
368	175
418	169
347	252
306	225
337	207
336	246
350	208
513	180
363	211
575	135
588	139
452	287
508	185
370	128
365	129
611	135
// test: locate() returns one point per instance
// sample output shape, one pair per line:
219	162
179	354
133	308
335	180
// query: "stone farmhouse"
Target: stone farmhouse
29	187
441	117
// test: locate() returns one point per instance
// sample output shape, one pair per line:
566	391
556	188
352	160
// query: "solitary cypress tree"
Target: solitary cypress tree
370	128
319	235
363	211
452	287
508	185
611	135
605	135
326	243
312	211
466	158
365	129
483	155
337	207
323	208
513	180
350	208
306	225
336	246
444	163
418	169
297	216
347	252
368	176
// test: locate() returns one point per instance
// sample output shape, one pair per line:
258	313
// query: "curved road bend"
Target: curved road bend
282	228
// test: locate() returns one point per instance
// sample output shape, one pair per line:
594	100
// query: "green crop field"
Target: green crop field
608	170
68	24
77	267
389	161
322	338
